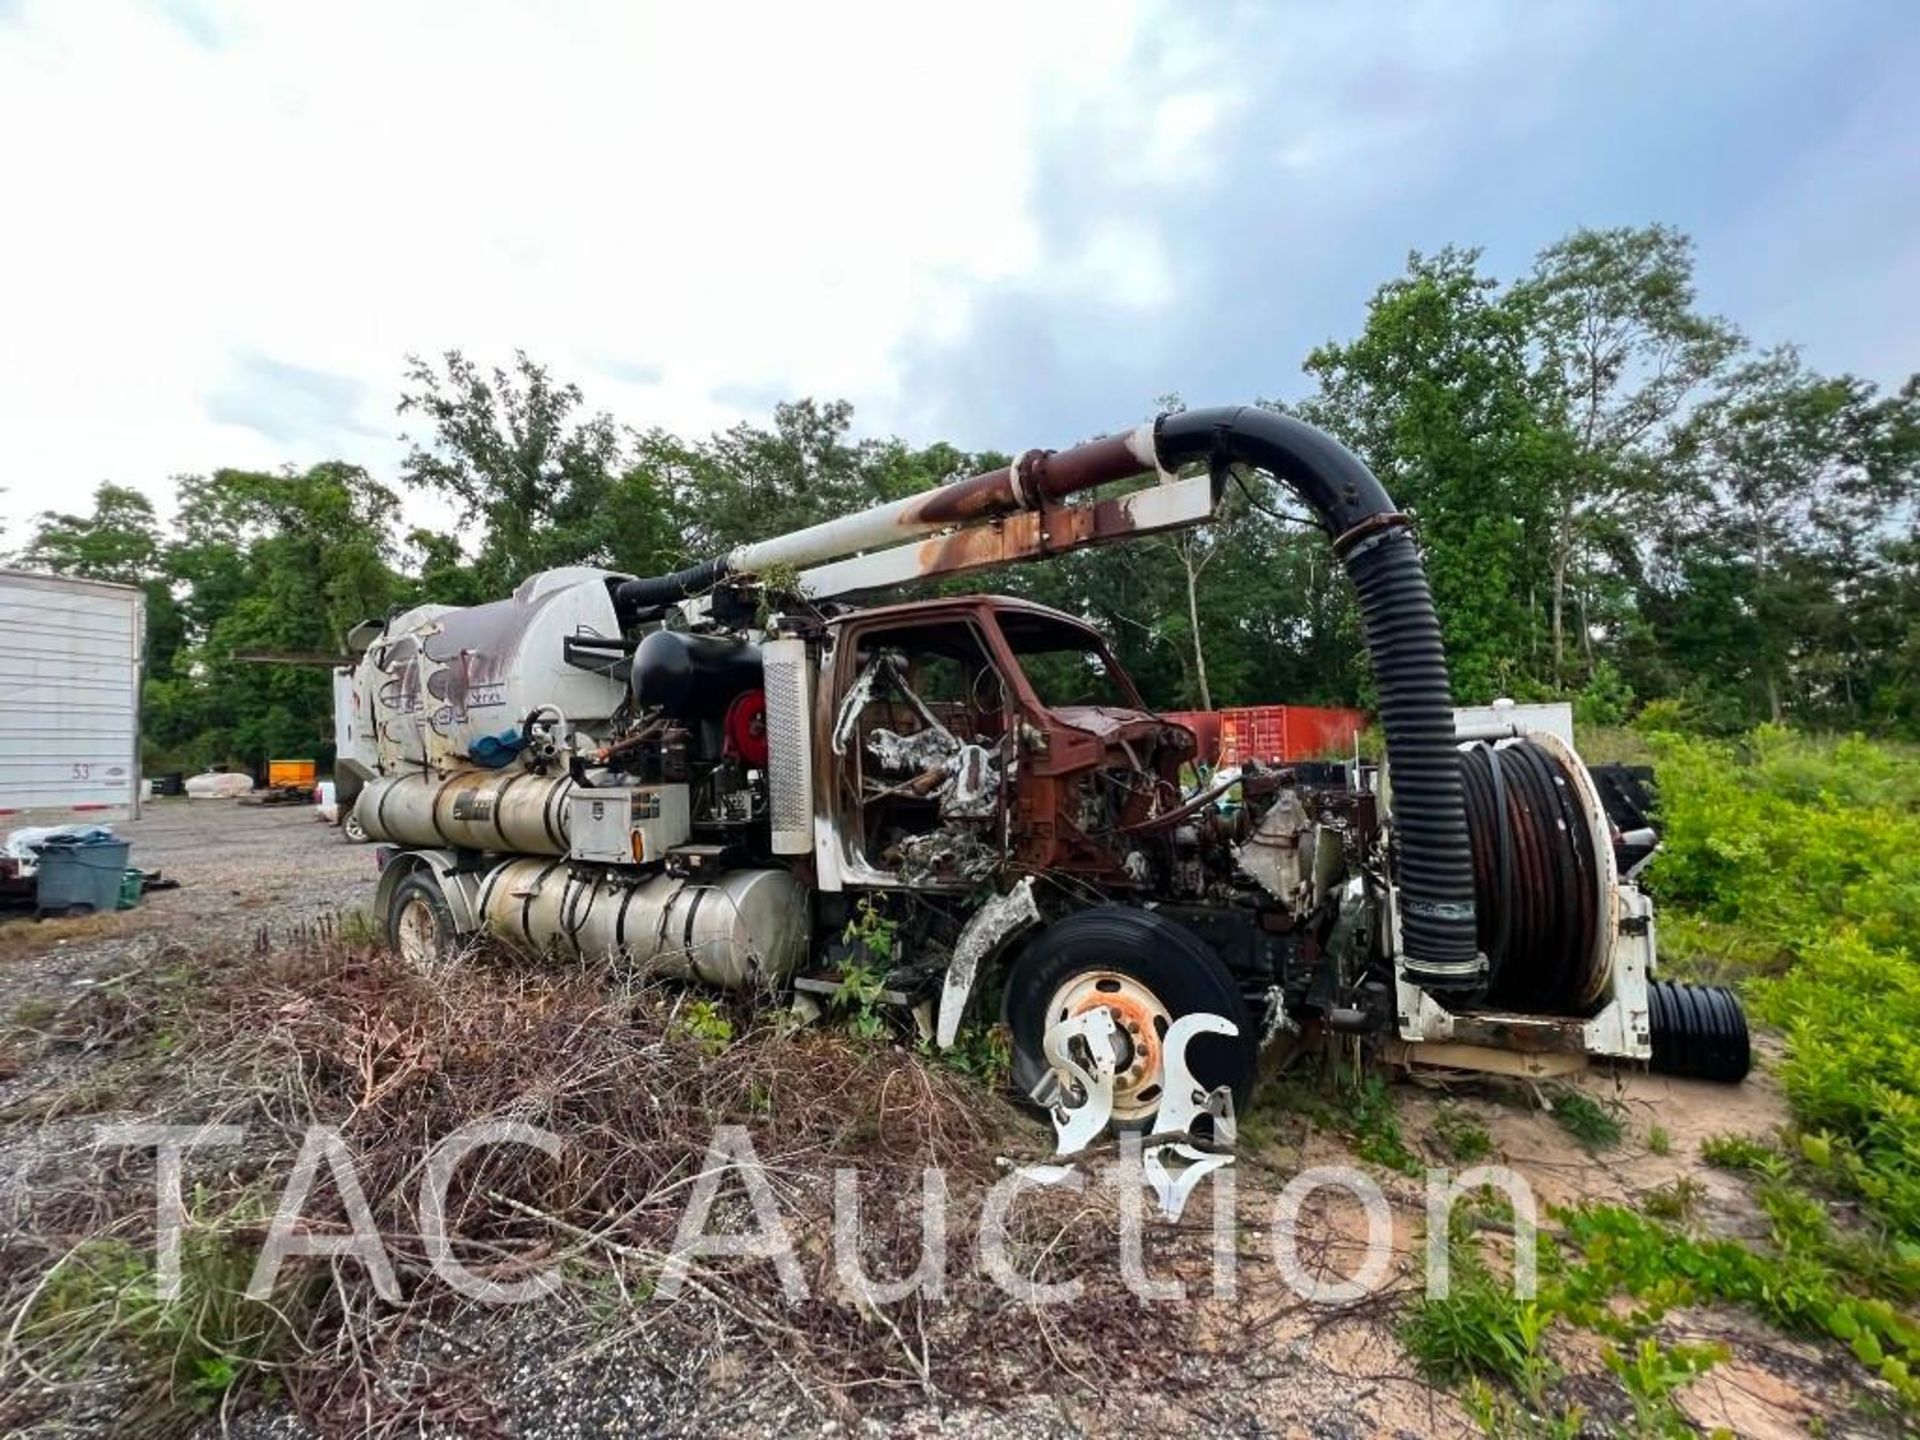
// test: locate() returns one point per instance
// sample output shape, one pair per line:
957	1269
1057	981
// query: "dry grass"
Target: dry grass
326	1032
22	938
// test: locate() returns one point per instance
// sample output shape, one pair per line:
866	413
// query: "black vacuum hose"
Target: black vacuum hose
1437	914
637	599
1699	1031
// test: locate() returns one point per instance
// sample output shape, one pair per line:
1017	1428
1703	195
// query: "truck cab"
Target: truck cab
959	736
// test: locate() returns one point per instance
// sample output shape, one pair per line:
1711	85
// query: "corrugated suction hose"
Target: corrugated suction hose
1699	1031
1372	539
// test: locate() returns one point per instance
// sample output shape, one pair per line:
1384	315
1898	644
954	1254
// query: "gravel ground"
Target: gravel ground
241	869
240	864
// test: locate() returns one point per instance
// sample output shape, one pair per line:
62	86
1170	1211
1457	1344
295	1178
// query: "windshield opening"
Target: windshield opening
1065	664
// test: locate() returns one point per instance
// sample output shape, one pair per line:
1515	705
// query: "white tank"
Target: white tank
448	687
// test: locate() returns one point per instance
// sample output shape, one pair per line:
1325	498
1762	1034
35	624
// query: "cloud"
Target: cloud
1347	138
1003	225
289	403
198	21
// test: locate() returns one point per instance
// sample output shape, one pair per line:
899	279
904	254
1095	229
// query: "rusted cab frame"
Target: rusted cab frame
1056	753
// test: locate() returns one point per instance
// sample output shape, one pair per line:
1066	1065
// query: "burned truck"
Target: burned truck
730	773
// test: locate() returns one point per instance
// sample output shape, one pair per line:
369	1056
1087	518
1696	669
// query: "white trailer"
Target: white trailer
71	652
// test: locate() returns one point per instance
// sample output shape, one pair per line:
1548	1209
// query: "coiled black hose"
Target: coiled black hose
1699	1031
1437	916
1537	879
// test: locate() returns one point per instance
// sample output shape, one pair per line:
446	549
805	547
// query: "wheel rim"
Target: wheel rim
354	829
418	933
1141	1020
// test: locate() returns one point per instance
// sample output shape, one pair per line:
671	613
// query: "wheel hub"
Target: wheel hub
418	933
1140	1022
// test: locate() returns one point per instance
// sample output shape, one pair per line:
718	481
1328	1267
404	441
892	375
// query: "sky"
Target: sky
223	227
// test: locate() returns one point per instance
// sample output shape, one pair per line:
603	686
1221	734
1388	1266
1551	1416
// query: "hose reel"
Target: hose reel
1543	875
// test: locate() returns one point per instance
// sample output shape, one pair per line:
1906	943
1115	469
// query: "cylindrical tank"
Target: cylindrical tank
495	810
747	929
693	677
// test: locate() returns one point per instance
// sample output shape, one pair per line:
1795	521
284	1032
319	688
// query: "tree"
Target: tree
118	542
267	562
1618	351
509	447
1434	395
1806	486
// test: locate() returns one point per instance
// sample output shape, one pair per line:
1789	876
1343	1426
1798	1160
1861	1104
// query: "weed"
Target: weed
180	1355
1480	1329
1593	1124
1512	1419
1461	1138
706	1024
1742	1153
32	1013
358	927
862	980
1351	1102
1659	1142
1677	1200
1650	1375
1376	1126
982	1050
857	1000
1801	859
1796	1288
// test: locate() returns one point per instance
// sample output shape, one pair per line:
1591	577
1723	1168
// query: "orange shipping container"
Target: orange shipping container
1288	732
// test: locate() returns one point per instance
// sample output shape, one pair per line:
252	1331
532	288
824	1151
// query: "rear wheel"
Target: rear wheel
419	924
1145	971
353	829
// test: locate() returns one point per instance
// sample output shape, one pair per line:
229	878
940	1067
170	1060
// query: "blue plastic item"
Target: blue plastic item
494	751
80	877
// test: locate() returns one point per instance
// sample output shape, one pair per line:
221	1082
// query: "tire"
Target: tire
419	927
355	832
1131	954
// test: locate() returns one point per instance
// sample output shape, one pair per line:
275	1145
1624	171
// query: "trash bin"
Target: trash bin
81	878
132	885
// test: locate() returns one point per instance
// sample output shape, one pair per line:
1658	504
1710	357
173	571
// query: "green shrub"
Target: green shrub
1801	858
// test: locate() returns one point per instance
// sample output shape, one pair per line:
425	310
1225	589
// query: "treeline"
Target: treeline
1620	500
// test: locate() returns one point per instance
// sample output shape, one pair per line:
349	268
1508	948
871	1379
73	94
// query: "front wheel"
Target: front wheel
1147	972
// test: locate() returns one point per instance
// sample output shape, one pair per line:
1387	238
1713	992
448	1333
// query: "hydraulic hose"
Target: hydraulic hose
1373	542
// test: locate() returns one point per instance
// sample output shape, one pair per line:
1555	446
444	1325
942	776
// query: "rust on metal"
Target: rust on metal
1059	473
1025	535
1372	525
1037	476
